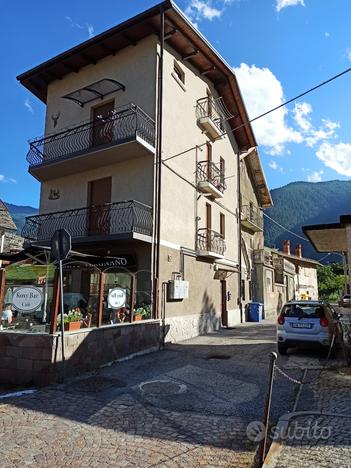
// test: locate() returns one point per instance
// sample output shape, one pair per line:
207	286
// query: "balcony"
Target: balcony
210	244
251	218
127	133
210	179
121	220
210	117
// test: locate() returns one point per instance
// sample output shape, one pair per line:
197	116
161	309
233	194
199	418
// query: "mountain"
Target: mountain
19	214
304	203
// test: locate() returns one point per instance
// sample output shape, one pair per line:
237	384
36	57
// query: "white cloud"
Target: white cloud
5	179
198	10
263	91
280	4
28	105
348	54
312	135
88	27
327	34
273	165
316	176
336	156
90	30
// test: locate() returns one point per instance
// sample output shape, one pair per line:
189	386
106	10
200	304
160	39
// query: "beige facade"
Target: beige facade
203	236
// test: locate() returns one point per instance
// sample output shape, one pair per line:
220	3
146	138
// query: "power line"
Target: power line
285	228
310	90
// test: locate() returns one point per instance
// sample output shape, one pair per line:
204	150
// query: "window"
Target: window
179	73
222	225
209	151
222	168
269	281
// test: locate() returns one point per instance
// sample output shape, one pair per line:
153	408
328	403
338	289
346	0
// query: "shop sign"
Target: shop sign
27	298
117	298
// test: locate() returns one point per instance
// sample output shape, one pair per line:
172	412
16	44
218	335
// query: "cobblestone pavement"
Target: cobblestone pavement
187	406
322	439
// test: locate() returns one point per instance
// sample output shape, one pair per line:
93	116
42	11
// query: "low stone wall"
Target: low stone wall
185	327
36	358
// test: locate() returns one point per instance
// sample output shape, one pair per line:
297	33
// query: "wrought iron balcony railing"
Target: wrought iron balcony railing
208	171
252	215
104	220
124	124
210	241
208	107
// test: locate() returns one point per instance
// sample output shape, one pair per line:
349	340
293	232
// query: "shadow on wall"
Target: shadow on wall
209	320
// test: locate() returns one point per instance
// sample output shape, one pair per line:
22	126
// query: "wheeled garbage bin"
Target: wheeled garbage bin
255	311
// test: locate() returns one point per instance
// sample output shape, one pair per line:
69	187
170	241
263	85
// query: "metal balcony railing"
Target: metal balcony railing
124	124
210	241
208	107
103	220
252	215
208	171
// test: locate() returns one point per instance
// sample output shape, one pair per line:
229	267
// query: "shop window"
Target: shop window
28	298
118	300
81	282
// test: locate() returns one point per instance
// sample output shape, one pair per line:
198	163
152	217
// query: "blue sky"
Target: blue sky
278	48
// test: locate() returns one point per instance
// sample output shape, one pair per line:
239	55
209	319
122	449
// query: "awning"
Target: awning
328	237
42	255
97	90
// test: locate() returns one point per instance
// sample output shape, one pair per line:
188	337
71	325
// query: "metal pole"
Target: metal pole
62	323
267	408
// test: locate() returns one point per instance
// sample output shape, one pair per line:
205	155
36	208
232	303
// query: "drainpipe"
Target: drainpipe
159	165
239	238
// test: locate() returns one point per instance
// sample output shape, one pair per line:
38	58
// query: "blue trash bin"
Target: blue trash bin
255	311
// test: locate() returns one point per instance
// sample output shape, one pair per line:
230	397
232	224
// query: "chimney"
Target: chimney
286	247
298	250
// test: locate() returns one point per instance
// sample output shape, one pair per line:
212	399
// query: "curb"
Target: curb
282	426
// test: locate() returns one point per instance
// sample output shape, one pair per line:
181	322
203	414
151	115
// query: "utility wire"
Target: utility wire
285	228
269	111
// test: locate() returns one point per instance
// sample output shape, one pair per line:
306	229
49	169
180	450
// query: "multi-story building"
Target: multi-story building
145	134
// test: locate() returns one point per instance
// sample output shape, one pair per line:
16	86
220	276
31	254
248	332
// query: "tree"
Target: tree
330	281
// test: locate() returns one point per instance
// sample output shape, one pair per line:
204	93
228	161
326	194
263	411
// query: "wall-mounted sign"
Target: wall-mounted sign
117	298
27	298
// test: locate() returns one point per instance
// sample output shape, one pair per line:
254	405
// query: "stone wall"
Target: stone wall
35	359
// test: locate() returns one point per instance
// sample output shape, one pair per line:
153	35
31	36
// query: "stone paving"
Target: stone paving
320	434
186	406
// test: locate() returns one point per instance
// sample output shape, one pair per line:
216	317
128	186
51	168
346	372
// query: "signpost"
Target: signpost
61	243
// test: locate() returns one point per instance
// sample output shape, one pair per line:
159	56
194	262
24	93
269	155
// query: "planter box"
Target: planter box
72	326
137	317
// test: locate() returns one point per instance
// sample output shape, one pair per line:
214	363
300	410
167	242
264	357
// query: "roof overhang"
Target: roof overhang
329	237
261	186
180	34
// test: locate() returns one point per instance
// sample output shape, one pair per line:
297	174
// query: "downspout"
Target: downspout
159	165
239	239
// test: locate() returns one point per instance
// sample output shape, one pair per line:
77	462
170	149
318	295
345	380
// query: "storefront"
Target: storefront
100	294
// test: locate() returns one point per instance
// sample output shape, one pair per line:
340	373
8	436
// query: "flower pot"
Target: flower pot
72	326
137	317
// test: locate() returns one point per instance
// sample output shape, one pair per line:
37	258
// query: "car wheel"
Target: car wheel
282	349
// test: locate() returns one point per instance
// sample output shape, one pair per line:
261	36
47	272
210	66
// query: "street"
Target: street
188	405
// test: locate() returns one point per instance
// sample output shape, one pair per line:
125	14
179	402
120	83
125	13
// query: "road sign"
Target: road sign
61	244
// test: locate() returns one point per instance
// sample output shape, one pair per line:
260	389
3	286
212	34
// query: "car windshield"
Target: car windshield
303	310
346	296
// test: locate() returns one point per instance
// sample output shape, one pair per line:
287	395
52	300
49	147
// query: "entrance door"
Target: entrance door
224	309
103	127
99	193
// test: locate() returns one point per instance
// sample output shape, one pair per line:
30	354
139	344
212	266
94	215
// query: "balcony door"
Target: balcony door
208	225
102	131
99	198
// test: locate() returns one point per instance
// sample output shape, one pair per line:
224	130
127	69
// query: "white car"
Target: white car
307	323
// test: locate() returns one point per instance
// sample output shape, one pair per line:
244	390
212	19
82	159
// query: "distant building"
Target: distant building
306	282
10	241
281	276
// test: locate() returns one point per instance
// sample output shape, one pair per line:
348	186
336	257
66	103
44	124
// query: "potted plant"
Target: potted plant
142	313
72	320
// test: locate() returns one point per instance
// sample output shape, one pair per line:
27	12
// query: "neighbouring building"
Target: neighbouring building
282	276
275	279
306	281
9	240
149	162
333	237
